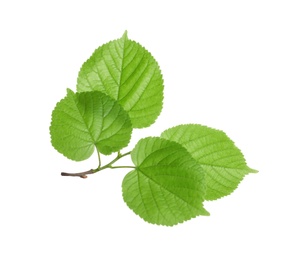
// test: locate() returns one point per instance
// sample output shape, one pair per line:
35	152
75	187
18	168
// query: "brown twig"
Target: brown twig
79	174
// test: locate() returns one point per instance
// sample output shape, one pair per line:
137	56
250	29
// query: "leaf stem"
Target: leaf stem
99	158
119	156
99	168
117	167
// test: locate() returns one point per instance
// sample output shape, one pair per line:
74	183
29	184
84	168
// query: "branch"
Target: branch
92	171
79	174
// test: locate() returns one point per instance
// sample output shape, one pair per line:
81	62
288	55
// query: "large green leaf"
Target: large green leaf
167	186
127	72
83	121
218	156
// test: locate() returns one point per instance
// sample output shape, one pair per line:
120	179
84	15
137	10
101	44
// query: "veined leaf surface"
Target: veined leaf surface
216	153
128	73
167	186
82	121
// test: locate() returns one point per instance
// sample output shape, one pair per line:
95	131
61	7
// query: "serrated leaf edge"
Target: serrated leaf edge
125	36
206	213
71	92
247	168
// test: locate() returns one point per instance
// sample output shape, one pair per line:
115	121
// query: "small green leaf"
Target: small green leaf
222	161
167	187
128	73
83	121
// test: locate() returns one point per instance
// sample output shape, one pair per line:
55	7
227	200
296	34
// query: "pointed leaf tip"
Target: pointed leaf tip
253	170
130	75
168	186
125	35
69	91
216	153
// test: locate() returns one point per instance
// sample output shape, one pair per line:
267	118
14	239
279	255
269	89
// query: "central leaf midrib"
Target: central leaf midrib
222	167
121	68
150	187
78	110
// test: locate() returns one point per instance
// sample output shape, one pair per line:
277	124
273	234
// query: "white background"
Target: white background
232	65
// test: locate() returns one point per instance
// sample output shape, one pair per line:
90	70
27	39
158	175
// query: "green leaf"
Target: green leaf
127	72
167	186
83	121
222	161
